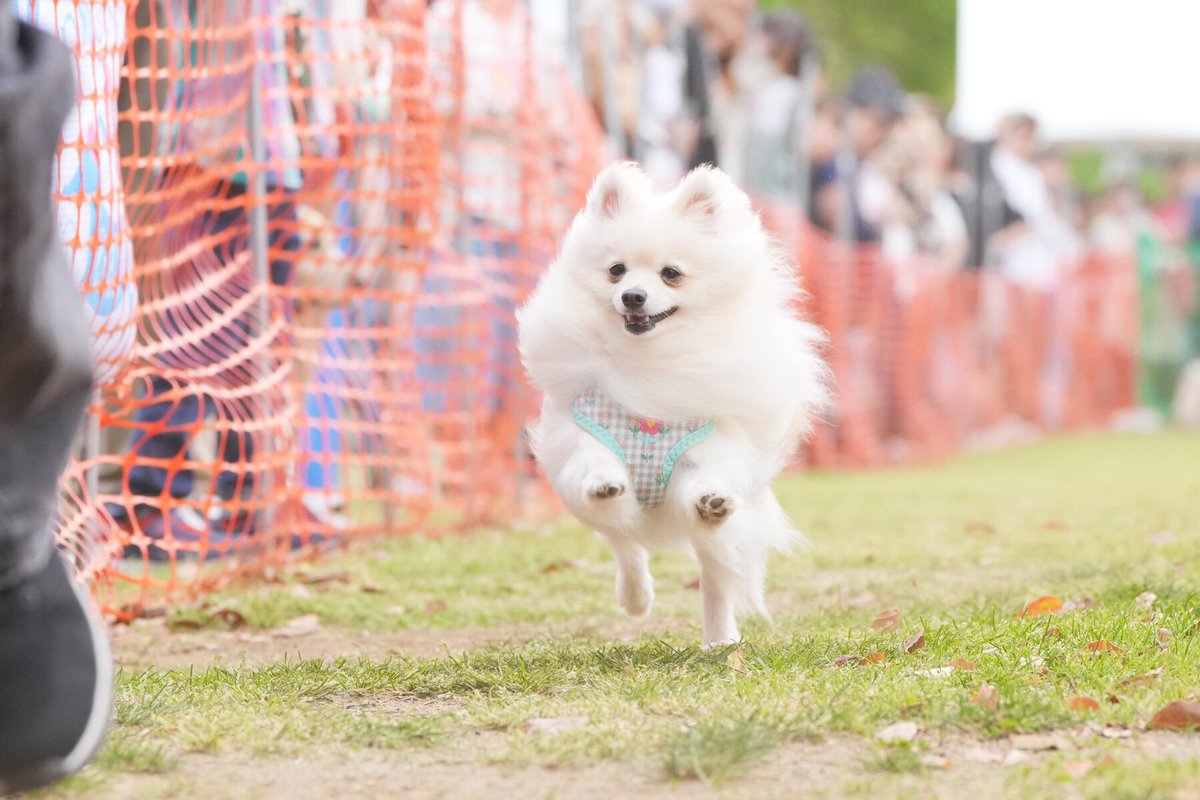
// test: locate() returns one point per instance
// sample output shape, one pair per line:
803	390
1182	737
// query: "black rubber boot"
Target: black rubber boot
55	667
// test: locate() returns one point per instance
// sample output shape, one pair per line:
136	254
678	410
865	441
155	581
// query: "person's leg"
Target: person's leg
55	669
177	418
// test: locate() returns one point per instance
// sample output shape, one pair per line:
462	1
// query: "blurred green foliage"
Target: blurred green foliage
913	38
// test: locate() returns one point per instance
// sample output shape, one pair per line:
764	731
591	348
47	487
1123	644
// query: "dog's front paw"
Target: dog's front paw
715	508
599	487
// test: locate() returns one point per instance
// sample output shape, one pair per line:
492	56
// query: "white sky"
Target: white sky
1087	69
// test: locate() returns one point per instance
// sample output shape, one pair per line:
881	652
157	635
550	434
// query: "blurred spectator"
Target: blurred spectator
662	127
1171	213
199	149
1119	220
714	93
926	220
779	108
853	195
616	37
1034	241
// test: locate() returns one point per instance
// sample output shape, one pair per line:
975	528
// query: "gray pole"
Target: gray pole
258	235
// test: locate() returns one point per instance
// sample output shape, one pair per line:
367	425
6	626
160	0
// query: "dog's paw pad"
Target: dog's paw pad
714	508
606	491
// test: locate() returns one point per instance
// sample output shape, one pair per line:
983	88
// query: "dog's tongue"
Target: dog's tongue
637	319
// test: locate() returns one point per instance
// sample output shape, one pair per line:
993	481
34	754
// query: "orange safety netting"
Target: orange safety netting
333	216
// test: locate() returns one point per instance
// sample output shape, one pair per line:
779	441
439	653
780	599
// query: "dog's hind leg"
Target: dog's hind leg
635	585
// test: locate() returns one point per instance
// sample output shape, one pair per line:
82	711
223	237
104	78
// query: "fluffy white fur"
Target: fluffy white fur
734	352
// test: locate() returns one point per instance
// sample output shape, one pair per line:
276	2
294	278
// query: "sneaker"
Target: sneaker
56	677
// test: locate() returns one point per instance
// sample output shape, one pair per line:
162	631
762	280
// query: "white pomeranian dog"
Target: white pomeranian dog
677	382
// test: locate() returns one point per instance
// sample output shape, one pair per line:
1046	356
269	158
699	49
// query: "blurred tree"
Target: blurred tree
913	38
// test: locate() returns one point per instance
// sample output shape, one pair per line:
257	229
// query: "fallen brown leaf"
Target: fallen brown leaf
368	589
916	643
963	664
234	619
1047	604
987	697
184	625
326	579
1146	679
1182	714
872	658
1054	525
980	527
435	607
1144	601
1162	538
1101	646
1164	637
888	621
842	661
1081	703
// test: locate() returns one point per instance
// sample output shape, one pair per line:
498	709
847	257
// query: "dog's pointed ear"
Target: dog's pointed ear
614	187
703	192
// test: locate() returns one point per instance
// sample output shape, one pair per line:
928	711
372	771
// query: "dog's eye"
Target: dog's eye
671	275
616	271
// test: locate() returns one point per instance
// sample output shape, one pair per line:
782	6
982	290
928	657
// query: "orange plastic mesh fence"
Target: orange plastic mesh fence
332	216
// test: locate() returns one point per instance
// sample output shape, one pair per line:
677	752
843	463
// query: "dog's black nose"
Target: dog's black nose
633	299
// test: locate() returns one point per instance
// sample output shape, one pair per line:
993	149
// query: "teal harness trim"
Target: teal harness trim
600	432
649	449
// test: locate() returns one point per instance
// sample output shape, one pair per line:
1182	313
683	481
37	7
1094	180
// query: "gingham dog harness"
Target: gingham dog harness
648	448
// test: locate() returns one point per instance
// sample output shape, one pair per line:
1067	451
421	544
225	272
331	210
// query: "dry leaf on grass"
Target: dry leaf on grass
888	621
980	527
326	579
233	619
1182	714
555	725
1101	646
872	658
300	626
987	697
1054	525
435	607
842	661
737	662
963	664
916	643
1047	604
1110	731
1146	679
1144	601
939	672
1081	703
1164	637
898	732
1162	538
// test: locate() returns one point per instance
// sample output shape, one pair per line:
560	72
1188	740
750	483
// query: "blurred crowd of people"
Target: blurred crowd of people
682	82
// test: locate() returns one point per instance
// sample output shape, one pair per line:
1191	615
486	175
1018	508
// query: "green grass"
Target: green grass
959	548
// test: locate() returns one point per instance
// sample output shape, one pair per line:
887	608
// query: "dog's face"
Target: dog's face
654	262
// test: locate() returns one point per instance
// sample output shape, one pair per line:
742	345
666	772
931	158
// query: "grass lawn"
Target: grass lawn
498	663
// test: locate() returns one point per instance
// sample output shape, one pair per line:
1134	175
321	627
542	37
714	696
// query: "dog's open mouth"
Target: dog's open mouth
641	323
